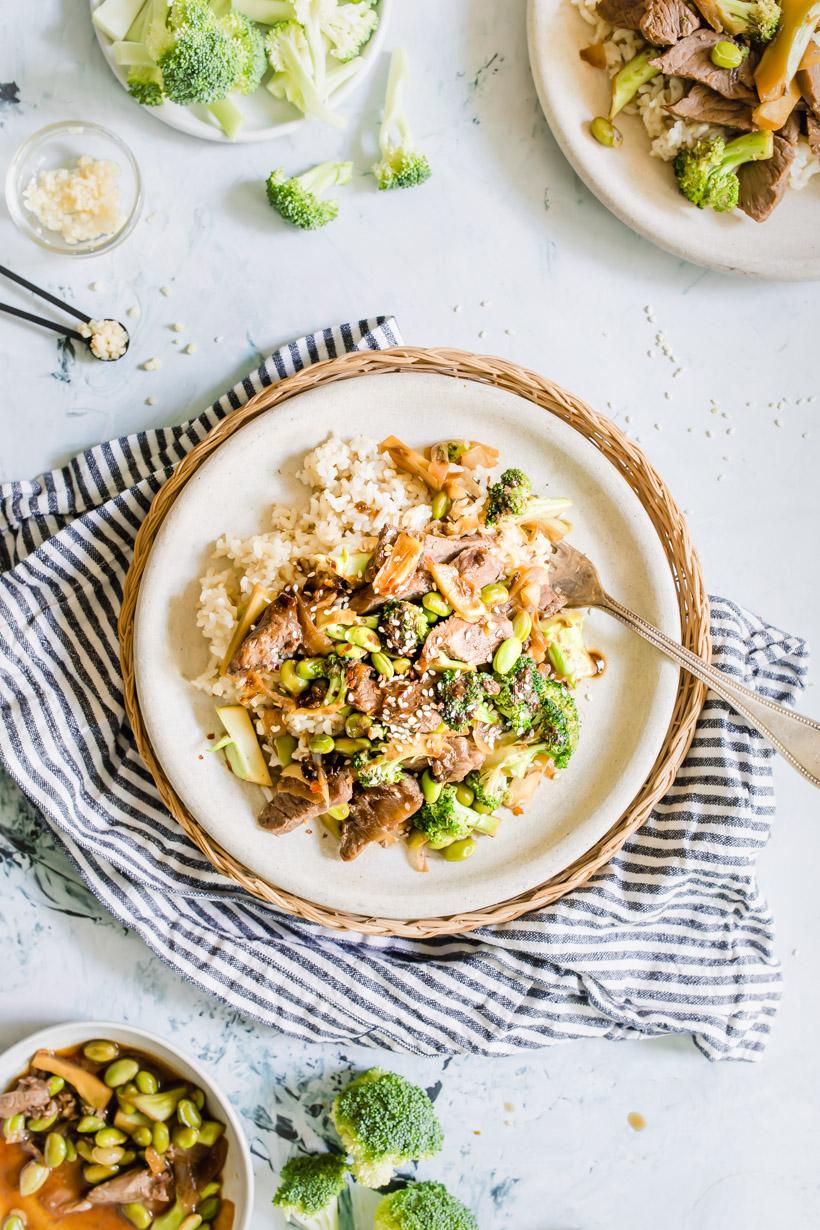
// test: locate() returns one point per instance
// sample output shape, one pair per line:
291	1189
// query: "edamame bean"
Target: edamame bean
98	1174
209	1134
138	1215
341	812
146	1082
465	795
435	603
365	638
13	1126
482	809
382	665
353	653
321	744
42	1124
54	1150
522	625
198	1098
185	1137
209	1209
349	747
188	1114
310	668
161	1137
285	747
14	1221
358	724
210	1189
440	505
84	1149
107	1157
108	1136
507	655
459	850
32	1177
401	665
120	1072
128	1157
55	1084
70	1150
142	1136
192	1222
430	788
605	132
336	632
726	54
101	1051
290	680
494	594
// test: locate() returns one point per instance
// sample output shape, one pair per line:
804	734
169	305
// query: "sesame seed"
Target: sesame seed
190	348
166	291
135	310
151	401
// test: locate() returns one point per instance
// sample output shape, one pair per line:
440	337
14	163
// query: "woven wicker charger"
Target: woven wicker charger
661	509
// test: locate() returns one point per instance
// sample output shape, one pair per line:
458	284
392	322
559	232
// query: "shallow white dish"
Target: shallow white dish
237	1185
265	116
641	190
625	720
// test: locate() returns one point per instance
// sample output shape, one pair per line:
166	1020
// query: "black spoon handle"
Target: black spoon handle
41	320
44	294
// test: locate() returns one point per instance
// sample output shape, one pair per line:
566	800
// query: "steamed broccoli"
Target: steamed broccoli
460	695
145	85
384	1121
490	788
309	1190
447	820
423	1206
521	696
202	66
566	651
378	770
299	199
253	60
511	499
400	164
707	174
757	19
349	27
294	80
558	722
402	627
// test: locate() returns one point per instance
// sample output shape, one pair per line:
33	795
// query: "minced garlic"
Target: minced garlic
80	202
107	339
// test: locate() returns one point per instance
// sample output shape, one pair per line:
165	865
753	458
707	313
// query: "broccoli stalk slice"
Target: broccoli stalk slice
758	19
707	174
129	53
401	164
299	201
228	116
629	79
781	59
294	79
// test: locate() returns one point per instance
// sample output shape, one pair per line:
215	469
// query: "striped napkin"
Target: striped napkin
672	937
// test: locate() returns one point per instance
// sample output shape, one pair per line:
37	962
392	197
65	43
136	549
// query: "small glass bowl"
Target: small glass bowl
60	145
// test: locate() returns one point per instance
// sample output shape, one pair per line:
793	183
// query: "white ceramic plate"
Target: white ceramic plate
625	720
265	116
641	190
238	1172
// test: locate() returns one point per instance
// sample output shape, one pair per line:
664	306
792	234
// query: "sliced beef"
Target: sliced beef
409	705
195	1168
690	59
476	643
667	21
135	1186
29	1094
443	550
550	602
456	761
381	552
479	565
287	810
277	636
703	105
363	692
379	814
808	79
813	133
762	184
439	549
710	12
624	14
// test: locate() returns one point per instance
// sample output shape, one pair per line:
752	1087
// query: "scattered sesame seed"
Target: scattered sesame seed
96	286
190	348
177	327
627	418
730	431
778	422
658	427
151	401
709	435
135	310
166	290
668	395
509	332
218	338
152	217
806	435
457	307
720	478
715	409
482	333
486	303
151	365
677	373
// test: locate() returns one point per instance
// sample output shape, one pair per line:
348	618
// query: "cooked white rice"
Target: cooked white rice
354	490
667	134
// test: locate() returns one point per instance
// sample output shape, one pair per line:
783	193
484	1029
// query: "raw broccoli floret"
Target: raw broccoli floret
707	174
145	85
521	695
349	27
460	695
384	1121
290	56
400	165
201	67
558	722
299	199
403	627
377	770
446	820
757	19
253	59
423	1206
309	1190
511	499
190	14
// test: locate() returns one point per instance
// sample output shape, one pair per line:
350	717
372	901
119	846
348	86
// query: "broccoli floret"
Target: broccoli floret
707	174
400	165
460	695
299	199
309	1190
403	627
190	14
446	820
758	19
521	695
201	67
253	59
558	722
423	1206
145	85
291	58
378	770
384	1121
511	499
349	27
489	787
566	651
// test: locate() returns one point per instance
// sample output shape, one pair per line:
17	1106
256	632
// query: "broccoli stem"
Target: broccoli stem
228	116
752	147
326	175
628	80
393	118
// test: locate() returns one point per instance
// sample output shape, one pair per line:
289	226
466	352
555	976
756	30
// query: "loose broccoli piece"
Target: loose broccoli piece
707	174
489	787
423	1206
377	770
201	67
400	165
145	85
447	820
309	1190
190	14
349	27
403	627
521	696
460	695
558	722
384	1121
253	59
757	19
294	79
511	499
566	651
299	199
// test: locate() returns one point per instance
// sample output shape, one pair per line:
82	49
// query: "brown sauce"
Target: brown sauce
600	662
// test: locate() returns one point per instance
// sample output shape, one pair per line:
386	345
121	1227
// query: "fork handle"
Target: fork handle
796	737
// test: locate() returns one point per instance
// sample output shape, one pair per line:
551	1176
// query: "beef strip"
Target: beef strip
277	636
808	79
195	1168
379	814
133	1187
703	105
813	133
381	552
409	706
690	58
550	602
459	756
479	565
667	21
439	549
475	643
286	811
29	1094
624	14
762	184
363	693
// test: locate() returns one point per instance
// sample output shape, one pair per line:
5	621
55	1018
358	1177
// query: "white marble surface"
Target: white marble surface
541	1142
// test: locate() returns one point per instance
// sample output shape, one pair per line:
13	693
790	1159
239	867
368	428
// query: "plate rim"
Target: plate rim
675	541
767	269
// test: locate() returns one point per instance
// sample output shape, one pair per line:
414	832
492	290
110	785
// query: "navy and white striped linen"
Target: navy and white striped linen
673	937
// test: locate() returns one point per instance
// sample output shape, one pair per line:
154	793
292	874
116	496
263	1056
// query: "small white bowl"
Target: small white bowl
60	145
237	1177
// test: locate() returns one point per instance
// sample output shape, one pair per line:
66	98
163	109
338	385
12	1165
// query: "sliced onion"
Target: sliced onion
315	642
399	568
462	594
